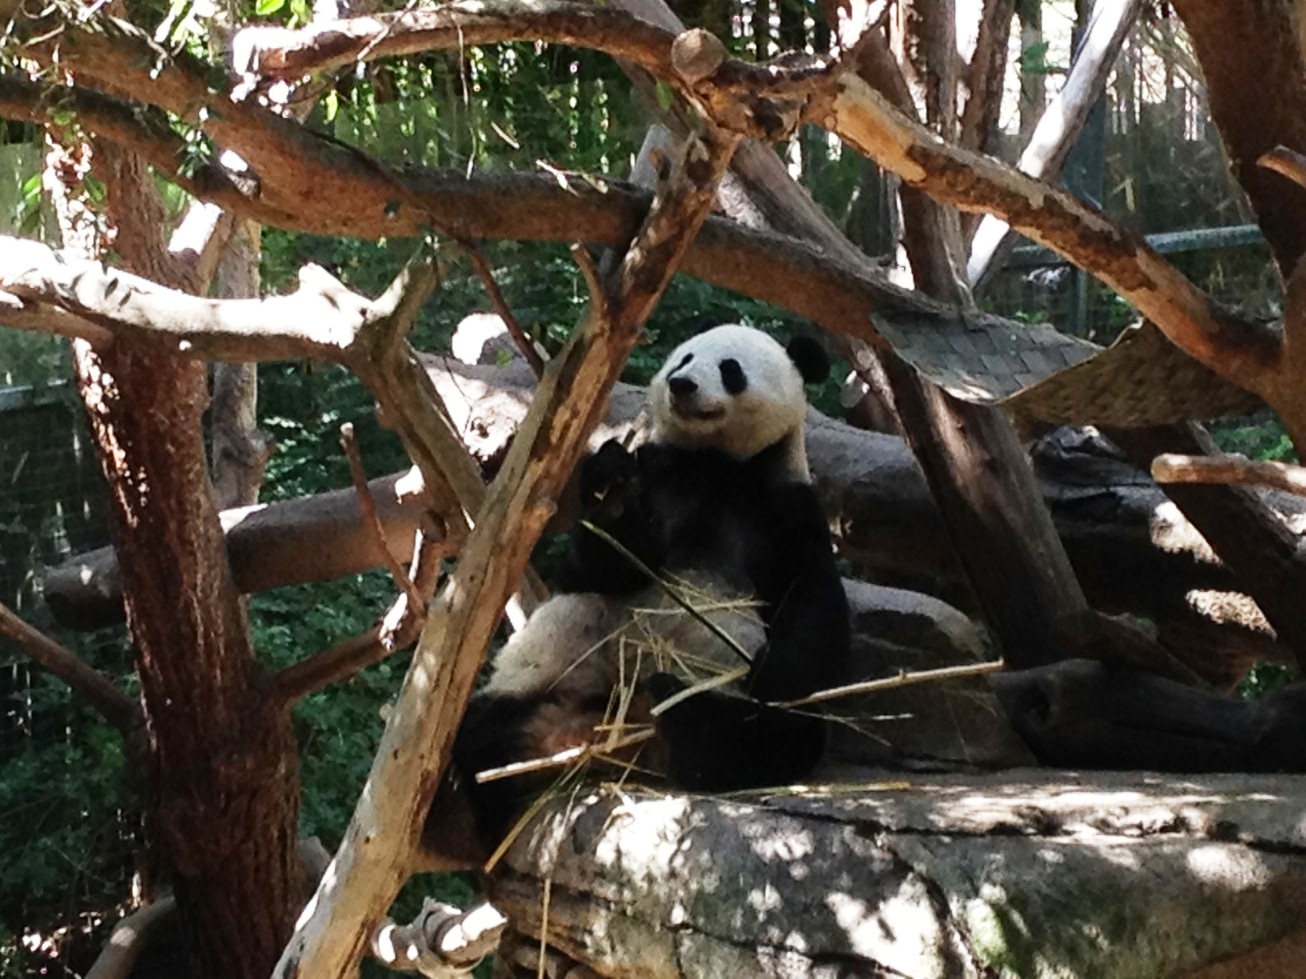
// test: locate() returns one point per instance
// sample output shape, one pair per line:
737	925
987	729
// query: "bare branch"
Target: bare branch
320	319
984	75
377	852
397	629
1061	122
590	273
1119	257
500	306
142	133
367	505
1232	469
1287	162
903	678
129	938
291	54
90	684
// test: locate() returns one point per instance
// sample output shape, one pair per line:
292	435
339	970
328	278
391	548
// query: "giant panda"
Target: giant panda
717	503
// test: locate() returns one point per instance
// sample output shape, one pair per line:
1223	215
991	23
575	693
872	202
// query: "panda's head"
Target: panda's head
736	389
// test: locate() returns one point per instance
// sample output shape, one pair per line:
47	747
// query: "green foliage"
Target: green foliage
1260	436
1264	678
1034	60
33	360
66	828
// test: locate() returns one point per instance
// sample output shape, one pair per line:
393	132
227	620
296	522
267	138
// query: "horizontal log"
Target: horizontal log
1030	873
1132	550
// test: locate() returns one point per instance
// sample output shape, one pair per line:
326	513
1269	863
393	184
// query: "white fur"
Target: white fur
771	408
577	644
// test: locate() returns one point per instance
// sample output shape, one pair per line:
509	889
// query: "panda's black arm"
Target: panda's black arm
719	742
808	631
614	499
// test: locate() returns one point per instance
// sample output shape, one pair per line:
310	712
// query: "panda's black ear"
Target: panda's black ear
810	357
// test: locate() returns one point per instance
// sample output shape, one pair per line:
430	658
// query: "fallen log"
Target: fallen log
1133	550
1034	873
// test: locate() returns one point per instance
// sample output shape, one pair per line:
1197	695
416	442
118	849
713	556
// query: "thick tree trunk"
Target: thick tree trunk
223	792
969	453
996	518
223	799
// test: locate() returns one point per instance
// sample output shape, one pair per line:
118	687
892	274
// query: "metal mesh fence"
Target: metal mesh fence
52	506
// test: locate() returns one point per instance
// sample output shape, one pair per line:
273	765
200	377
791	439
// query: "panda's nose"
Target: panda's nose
681	387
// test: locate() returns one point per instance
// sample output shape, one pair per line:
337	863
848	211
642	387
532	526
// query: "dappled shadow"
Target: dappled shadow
1030	872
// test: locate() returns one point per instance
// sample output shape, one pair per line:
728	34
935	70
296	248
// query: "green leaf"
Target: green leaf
265	8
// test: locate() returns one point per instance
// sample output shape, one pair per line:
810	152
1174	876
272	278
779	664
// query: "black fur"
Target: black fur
749	522
678	508
701	508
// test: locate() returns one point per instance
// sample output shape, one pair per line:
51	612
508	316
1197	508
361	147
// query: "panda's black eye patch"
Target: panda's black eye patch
684	363
732	376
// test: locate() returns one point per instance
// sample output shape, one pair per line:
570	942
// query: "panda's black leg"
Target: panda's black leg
494	733
719	743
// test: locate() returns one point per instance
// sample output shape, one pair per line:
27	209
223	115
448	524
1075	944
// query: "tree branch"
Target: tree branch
1232	469
1255	79
1061	122
984	75
377	851
398	628
500	306
88	683
129	938
367	505
281	53
1237	350
145	133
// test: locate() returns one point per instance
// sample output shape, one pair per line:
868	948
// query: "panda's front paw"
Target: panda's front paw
662	686
607	477
687	728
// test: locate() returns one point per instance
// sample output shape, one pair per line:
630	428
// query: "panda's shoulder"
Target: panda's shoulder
659	460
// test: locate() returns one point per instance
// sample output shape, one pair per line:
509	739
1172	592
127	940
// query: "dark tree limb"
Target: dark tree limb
88	683
984	75
129	938
500	306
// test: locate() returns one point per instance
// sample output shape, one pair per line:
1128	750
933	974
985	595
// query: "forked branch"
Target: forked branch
90	684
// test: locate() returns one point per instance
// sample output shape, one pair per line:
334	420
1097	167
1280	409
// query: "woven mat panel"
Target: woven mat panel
978	357
1141	379
1038	373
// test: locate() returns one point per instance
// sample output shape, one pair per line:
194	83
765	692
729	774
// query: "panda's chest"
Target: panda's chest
710	527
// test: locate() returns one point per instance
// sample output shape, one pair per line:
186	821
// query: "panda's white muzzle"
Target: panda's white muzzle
687	401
